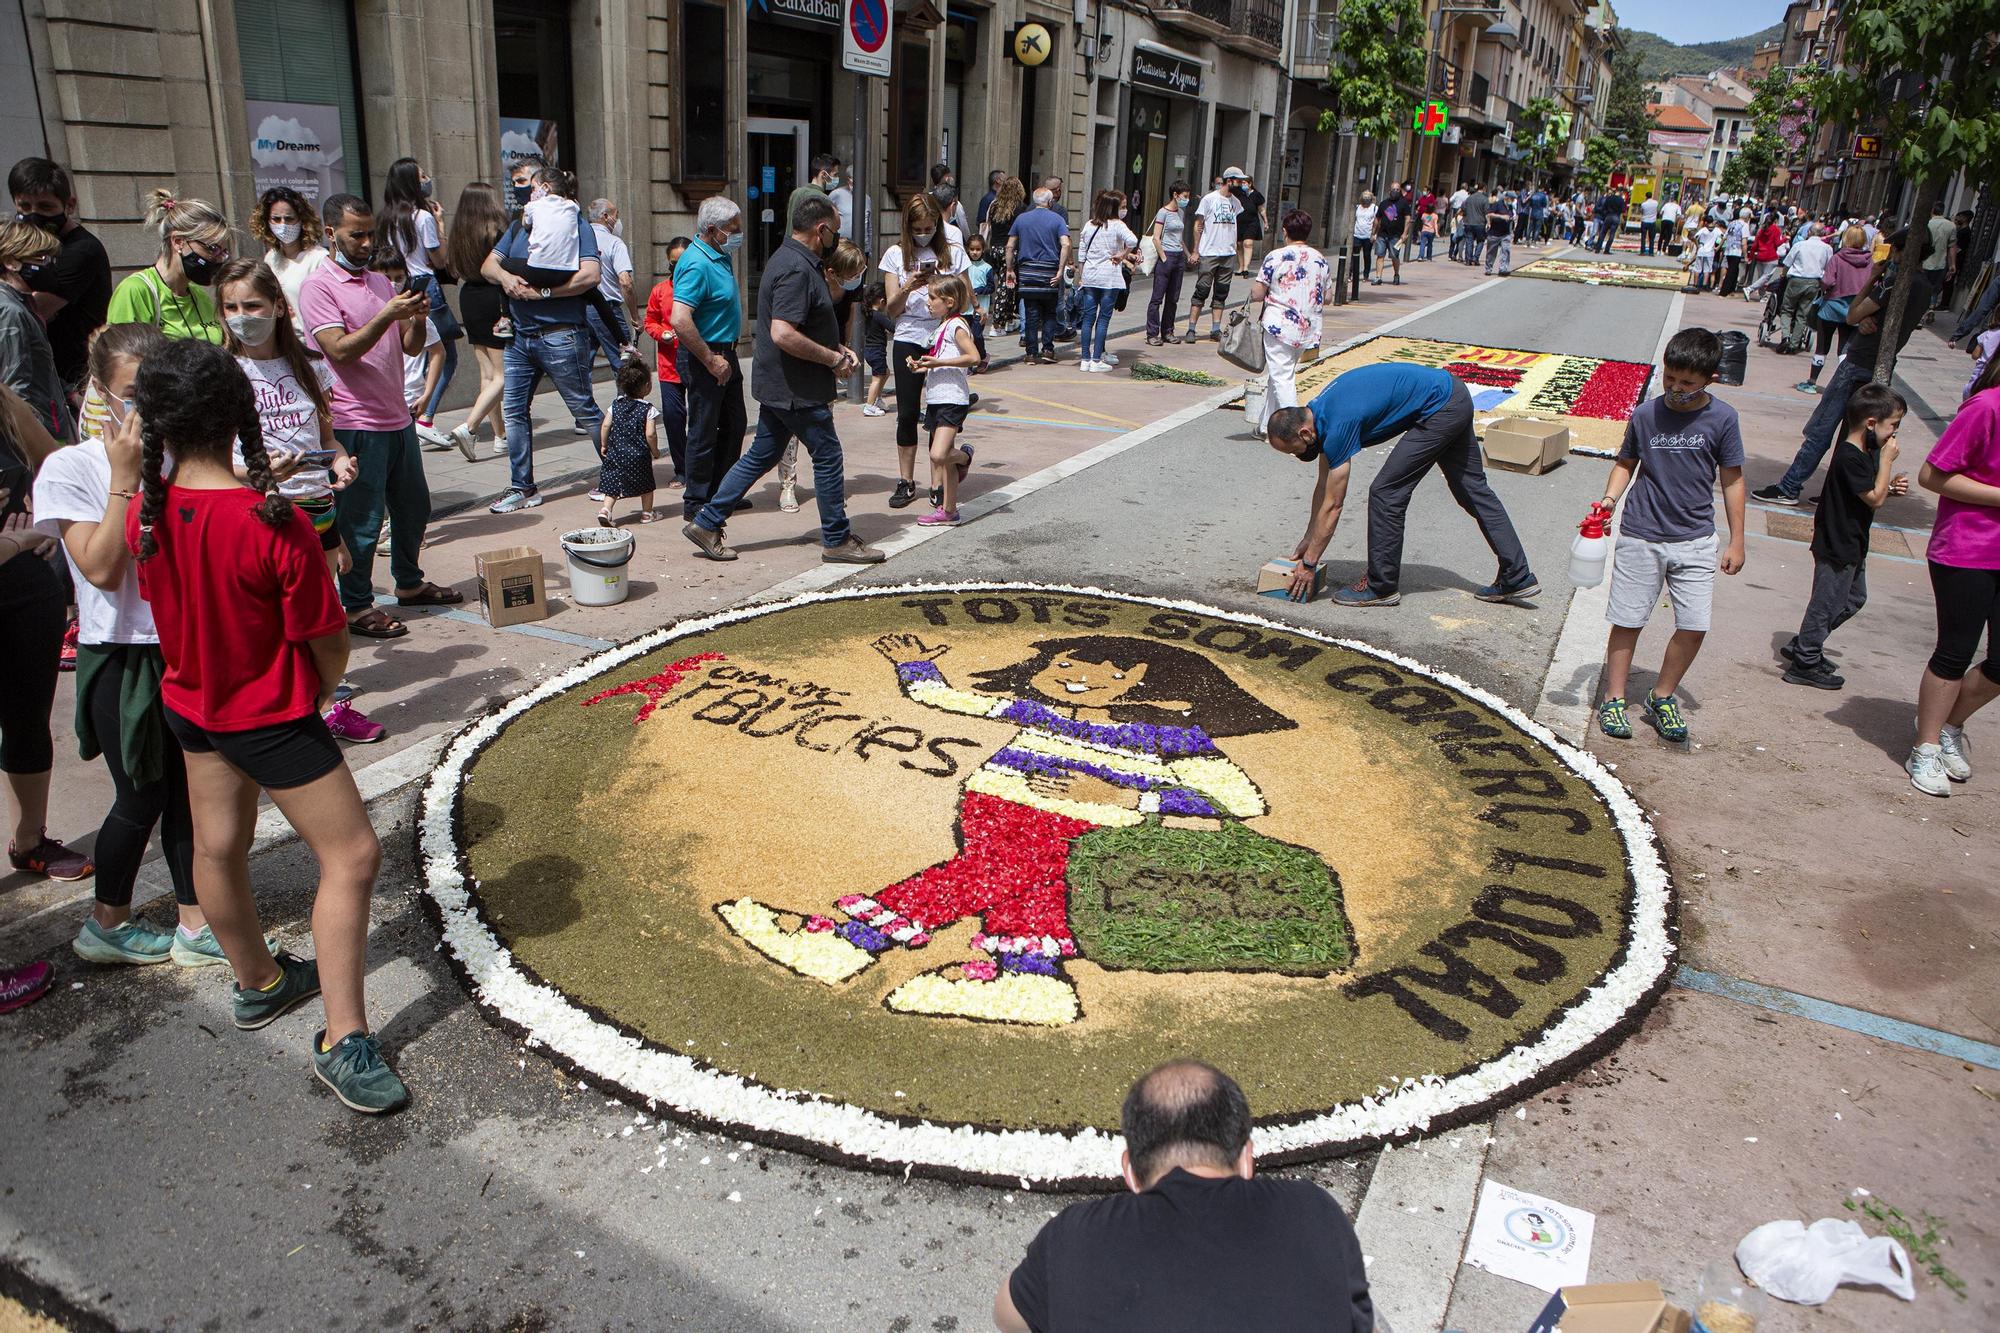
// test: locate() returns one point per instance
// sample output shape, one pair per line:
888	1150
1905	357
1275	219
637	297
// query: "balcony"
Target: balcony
1312	44
1253	26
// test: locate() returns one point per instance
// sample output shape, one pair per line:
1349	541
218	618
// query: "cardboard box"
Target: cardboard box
511	590
1611	1307
1275	579
1526	444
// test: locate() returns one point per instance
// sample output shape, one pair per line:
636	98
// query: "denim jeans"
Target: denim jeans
435	291
1646	238
1166	299
390	478
604	339
1824	424
562	352
1038	321
715	427
674	423
1424	240
1097	306
776	428
1475	242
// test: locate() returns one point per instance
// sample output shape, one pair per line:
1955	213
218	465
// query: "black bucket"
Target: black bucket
1735	357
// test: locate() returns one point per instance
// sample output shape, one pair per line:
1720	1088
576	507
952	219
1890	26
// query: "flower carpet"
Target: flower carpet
1604	273
920	878
1593	396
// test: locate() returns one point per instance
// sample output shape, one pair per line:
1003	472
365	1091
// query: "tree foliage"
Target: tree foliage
1377	60
1537	133
1601	157
1625	117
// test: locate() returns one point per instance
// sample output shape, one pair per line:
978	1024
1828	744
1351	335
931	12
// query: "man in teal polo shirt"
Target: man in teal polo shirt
708	318
1432	411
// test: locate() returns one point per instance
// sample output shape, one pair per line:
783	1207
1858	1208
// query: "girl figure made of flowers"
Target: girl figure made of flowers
1111	730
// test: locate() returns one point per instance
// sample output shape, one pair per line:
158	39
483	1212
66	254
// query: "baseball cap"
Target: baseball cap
1234	174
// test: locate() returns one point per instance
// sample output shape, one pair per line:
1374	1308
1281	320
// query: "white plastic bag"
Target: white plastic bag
1803	1264
1149	255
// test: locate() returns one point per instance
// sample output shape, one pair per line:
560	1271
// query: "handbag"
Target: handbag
1833	309
1243	340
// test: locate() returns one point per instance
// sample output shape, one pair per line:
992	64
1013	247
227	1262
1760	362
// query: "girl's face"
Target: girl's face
975	249
117	390
1071	680
674	256
939	307
240	298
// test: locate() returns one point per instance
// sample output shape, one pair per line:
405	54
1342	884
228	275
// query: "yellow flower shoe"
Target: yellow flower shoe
1010	997
820	954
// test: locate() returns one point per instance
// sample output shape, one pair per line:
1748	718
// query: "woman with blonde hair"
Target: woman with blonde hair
845	268
1009	198
289	230
27	358
171	293
907	269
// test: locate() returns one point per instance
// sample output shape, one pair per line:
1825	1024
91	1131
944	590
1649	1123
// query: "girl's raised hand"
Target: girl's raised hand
904	648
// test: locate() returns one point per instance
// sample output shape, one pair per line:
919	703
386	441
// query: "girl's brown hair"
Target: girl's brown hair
1107	206
1220	708
954	291
122	342
195	399
291	348
920	208
476	228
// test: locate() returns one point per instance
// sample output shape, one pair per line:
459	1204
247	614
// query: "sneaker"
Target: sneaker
939	517
499	444
22	986
358	1074
1927	771
1215	334
343	692
1360	594
51	860
1507	592
708	541
1191	337
1956	752
1818	675
131	941
204	950
66	658
348	723
903	496
1152	341
462	437
298	981
853	551
873	410
937	496
1613	721
1805	386
1773	495
1088	367
579	428
1664	716
432	437
1108	360
514	500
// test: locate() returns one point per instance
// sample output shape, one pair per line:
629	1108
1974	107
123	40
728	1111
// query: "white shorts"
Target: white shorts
1640	570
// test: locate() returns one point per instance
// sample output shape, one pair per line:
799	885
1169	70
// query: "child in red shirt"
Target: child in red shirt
254	641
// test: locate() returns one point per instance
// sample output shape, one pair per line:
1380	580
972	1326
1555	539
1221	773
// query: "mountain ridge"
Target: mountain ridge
1660	58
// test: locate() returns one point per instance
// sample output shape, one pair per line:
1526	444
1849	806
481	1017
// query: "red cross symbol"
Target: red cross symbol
1431	118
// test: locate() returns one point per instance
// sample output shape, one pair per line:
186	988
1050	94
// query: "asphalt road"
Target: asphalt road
169	1172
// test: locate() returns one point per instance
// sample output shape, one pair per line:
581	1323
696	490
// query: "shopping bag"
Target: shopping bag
1805	1264
1243	340
1149	255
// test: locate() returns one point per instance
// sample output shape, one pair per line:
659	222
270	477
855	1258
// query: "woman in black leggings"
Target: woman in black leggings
1964	471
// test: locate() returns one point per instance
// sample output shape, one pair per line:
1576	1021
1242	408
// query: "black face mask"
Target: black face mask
52	223
200	269
521	193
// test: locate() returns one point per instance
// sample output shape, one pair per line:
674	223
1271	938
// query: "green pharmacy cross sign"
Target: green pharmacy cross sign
1430	118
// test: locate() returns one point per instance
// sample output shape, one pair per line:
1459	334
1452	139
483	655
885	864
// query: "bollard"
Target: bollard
1340	278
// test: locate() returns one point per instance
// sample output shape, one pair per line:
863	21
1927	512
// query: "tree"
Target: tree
1600	158
1925	75
1625	117
1540	126
1378	57
1749	169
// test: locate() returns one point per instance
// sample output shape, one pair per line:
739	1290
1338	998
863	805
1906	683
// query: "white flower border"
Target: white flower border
597	1048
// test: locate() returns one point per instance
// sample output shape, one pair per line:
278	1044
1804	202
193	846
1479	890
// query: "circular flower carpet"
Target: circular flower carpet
920	878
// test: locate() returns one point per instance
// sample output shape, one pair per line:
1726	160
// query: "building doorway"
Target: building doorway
779	150
531	57
1146	171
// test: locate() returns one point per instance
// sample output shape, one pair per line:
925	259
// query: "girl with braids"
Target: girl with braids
171	293
292	387
254	642
81	498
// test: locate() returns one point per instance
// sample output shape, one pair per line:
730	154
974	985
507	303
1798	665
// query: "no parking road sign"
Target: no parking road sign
864	37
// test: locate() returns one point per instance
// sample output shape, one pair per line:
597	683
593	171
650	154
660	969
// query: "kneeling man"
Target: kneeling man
1432	411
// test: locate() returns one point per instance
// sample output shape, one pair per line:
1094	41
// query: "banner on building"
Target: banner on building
1681	139
1153	68
532	141
297	144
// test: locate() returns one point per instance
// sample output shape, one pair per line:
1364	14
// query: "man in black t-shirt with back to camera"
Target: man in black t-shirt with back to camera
1200	1242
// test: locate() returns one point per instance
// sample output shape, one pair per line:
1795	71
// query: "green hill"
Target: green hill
1659	57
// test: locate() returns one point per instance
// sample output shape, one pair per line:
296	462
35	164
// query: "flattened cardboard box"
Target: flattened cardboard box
1275	579
1526	444
1611	1307
511	590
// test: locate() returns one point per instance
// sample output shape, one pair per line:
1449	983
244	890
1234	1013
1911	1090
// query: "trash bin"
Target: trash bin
1735	357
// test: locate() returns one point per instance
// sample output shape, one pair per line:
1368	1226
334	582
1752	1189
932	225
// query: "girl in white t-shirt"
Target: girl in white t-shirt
293	390
81	495
907	270
1104	252
947	393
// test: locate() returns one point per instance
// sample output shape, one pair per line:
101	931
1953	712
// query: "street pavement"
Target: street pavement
166	1171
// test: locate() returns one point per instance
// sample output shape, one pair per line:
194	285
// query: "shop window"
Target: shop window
909	114
302	51
703	142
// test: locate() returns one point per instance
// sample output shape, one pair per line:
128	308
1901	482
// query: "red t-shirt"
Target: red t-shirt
236	601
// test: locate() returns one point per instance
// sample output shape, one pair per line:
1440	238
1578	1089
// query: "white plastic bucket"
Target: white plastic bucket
597	560
1253	402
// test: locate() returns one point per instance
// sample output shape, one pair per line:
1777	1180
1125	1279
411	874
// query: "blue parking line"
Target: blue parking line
1881	1028
533	630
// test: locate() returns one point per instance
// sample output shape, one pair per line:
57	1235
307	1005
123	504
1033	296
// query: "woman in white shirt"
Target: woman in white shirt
1361	252
906	273
1294	285
1104	252
408	221
290	232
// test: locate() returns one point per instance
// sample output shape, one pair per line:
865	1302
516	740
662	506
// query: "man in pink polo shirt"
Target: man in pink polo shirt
349	312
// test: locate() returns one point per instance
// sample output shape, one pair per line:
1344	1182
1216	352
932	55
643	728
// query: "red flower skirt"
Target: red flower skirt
1011	871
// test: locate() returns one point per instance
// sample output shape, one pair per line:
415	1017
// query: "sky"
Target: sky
1689	21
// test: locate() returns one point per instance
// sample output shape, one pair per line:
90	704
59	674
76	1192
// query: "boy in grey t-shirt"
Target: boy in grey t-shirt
1677	444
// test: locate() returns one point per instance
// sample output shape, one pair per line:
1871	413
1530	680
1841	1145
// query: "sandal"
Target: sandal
650	516
375	623
431	595
604	519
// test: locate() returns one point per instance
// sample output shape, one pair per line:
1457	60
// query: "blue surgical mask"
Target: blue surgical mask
852	282
429	186
733	241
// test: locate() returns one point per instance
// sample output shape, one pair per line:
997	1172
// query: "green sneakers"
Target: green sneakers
204	950
1665	717
131	941
1612	721
298	981
358	1074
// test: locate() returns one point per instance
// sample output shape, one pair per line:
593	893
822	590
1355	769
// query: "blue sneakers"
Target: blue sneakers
358	1074
132	941
298	981
1360	594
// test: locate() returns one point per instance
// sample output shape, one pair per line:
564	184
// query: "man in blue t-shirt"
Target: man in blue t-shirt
1432	411
549	339
1037	254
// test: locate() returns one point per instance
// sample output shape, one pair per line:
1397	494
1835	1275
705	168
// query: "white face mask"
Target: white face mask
286	232
252	330
922	237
